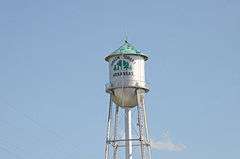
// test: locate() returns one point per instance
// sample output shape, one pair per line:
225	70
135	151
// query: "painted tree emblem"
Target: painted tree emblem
122	65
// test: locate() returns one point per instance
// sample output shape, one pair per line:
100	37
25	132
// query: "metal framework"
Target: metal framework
132	146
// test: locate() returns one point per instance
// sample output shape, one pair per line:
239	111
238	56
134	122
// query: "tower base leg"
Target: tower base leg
128	133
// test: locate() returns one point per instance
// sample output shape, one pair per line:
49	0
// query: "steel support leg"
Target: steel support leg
140	122
108	128
128	133
115	132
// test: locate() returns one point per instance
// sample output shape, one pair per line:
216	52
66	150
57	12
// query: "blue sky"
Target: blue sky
52	74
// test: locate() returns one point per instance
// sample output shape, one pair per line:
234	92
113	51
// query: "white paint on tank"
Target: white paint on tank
126	72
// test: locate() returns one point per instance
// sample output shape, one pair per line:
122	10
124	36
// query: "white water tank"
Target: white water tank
126	74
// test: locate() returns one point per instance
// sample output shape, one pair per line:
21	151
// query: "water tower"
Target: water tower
127	88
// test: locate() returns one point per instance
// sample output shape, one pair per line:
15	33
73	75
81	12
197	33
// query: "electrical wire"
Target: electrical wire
17	156
16	147
50	131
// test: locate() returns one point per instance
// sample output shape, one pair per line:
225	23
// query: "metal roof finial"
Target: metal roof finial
126	38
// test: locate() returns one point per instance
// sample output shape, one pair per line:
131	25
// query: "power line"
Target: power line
15	147
11	153
56	134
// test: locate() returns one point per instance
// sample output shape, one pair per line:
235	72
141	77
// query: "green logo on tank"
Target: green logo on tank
122	65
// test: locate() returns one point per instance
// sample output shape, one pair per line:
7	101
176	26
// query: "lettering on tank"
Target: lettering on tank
122	66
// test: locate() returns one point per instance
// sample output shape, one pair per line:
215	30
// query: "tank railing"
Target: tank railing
128	83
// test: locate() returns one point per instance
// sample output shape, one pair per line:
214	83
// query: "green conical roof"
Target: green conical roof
126	48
